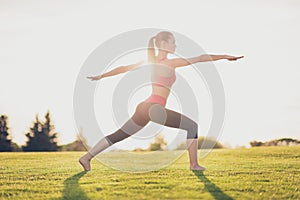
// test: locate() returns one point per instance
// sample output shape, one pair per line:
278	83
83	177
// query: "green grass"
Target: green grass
256	173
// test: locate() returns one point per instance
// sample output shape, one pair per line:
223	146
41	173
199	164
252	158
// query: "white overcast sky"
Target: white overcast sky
43	45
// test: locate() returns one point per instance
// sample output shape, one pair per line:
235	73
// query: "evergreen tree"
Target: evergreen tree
42	136
5	142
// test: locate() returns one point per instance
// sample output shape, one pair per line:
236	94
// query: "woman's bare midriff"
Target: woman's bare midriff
161	91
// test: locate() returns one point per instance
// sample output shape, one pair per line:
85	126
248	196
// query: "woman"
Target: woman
153	108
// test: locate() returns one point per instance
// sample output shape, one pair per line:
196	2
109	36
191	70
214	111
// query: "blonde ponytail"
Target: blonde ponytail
151	50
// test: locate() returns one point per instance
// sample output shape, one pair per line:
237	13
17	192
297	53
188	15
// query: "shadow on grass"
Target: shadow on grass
72	189
214	190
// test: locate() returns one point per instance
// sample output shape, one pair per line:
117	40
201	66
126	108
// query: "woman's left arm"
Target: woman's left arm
207	57
181	62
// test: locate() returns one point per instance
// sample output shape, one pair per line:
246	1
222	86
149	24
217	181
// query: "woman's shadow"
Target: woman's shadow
72	189
214	190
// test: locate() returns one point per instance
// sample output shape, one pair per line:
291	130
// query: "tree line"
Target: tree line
278	142
40	137
43	137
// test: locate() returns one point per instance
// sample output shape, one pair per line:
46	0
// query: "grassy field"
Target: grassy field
256	173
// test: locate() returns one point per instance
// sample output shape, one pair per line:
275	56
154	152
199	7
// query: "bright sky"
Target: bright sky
44	44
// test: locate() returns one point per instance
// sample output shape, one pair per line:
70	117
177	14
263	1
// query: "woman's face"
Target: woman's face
169	45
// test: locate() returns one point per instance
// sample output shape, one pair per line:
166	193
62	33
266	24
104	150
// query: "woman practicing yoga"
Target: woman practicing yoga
153	108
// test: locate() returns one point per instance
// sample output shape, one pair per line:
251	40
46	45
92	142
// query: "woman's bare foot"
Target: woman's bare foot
197	167
85	163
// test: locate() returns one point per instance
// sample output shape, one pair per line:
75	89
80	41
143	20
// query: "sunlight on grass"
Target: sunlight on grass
256	173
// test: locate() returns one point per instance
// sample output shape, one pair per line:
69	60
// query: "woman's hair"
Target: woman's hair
161	36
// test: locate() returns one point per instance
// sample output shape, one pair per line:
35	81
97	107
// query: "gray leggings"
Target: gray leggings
149	111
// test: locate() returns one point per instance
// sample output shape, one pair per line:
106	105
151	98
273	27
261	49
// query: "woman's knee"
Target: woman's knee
190	126
132	126
193	131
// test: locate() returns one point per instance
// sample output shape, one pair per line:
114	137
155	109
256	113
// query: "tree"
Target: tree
5	142
42	136
158	144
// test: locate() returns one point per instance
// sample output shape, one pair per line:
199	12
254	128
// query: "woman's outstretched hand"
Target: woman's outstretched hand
94	78
231	58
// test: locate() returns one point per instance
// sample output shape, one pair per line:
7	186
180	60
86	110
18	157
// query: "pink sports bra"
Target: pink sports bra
163	81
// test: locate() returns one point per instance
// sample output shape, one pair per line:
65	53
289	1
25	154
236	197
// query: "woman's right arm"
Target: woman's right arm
113	72
181	62
116	71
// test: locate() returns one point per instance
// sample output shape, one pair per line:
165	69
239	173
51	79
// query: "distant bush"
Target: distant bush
278	142
158	144
15	147
209	143
77	145
204	143
73	146
139	150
